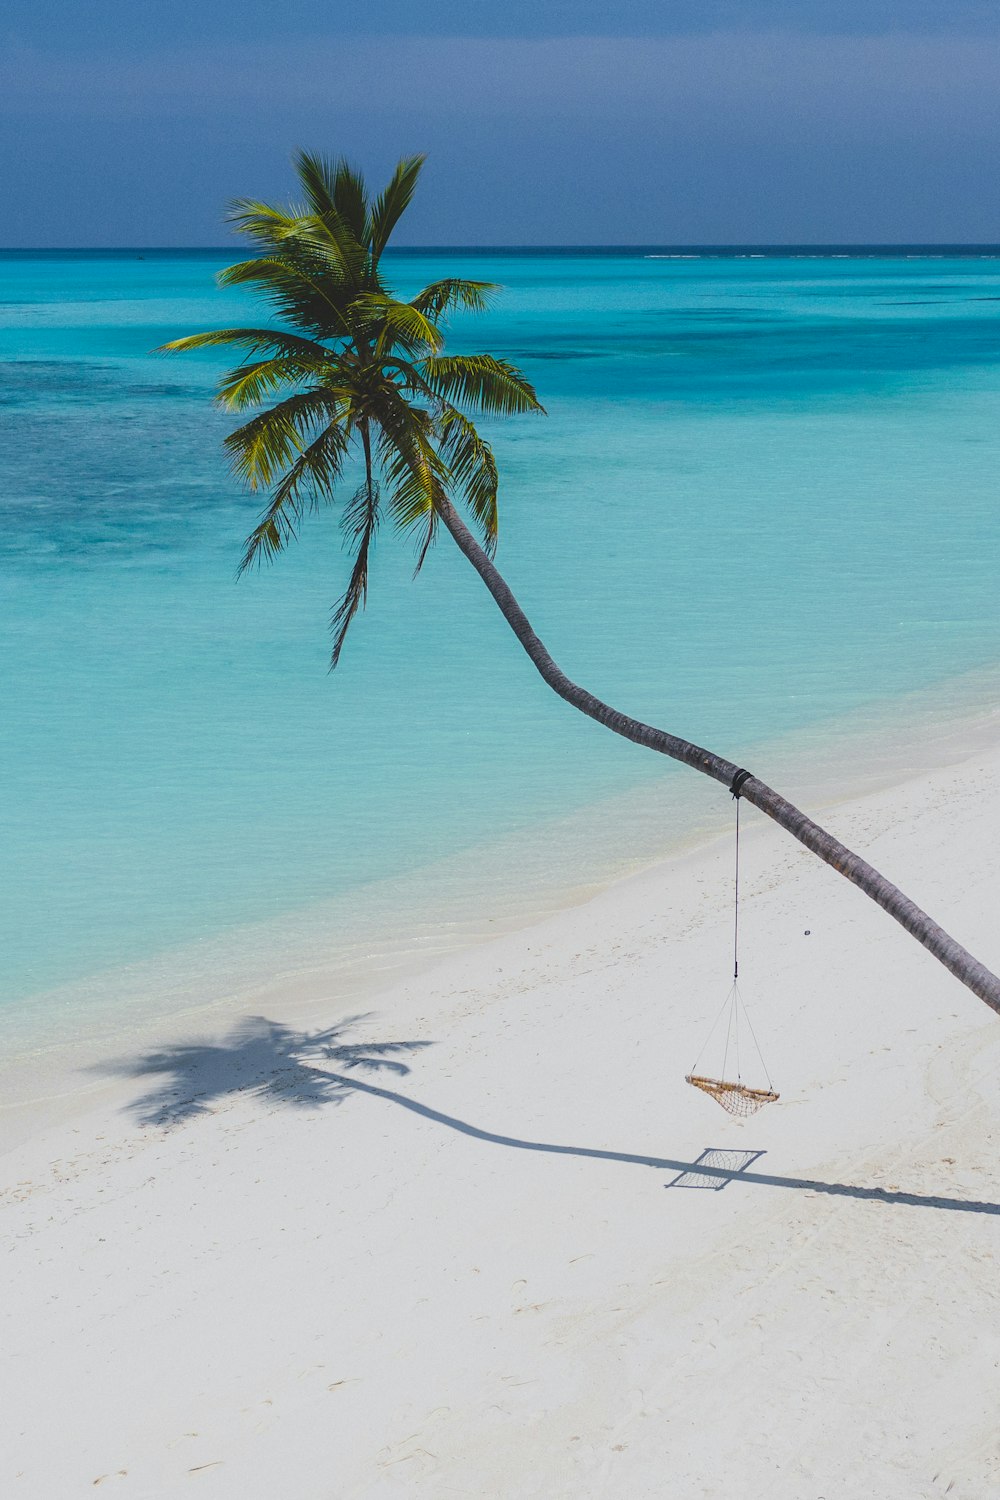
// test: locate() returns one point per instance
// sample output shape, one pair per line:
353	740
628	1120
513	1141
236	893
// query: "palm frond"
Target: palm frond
264	446
305	293
395	322
256	340
392	203
417	476
338	223
308	480
482	382
413	488
409	377
333	223
407	456
263	222
430	537
472	467
251	384
360	522
439	297
334	188
325	245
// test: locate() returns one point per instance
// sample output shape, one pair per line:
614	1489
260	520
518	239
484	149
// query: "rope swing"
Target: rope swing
737	1098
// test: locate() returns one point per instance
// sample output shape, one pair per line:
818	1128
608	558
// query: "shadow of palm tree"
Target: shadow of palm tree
261	1058
265	1059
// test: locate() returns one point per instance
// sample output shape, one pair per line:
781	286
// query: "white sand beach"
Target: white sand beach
493	1260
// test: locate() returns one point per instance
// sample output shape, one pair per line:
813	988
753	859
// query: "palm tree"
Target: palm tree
360	373
365	372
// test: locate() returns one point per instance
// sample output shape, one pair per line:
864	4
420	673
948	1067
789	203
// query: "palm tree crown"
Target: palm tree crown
355	371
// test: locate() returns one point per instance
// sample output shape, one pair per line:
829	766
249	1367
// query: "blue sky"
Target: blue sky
545	121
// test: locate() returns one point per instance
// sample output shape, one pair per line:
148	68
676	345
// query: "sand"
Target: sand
471	1244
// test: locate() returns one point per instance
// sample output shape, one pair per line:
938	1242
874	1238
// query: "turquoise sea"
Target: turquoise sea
765	503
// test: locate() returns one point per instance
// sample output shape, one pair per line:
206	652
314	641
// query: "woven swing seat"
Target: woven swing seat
735	1098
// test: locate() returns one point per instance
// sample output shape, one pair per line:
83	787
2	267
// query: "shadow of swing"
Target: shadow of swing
722	1167
289	1068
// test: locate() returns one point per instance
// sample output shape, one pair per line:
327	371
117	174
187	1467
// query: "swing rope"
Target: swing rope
737	1098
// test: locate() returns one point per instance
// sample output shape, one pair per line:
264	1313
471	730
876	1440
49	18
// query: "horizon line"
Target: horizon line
677	247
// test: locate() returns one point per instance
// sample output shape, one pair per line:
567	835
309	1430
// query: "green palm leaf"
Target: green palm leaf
396	322
261	449
314	299
250	385
262	222
473	469
335	191
256	340
393	202
360	523
482	382
308	480
441	296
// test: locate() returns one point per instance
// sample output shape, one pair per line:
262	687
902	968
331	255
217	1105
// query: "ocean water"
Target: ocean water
764	505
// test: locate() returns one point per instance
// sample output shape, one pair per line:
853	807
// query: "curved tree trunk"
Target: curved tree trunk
969	970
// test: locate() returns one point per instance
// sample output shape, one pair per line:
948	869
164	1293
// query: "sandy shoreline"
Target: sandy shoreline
461	1247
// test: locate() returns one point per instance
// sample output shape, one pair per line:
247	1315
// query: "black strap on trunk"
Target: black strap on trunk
739	781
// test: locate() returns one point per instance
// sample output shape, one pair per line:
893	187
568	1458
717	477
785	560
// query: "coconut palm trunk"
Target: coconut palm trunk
917	923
